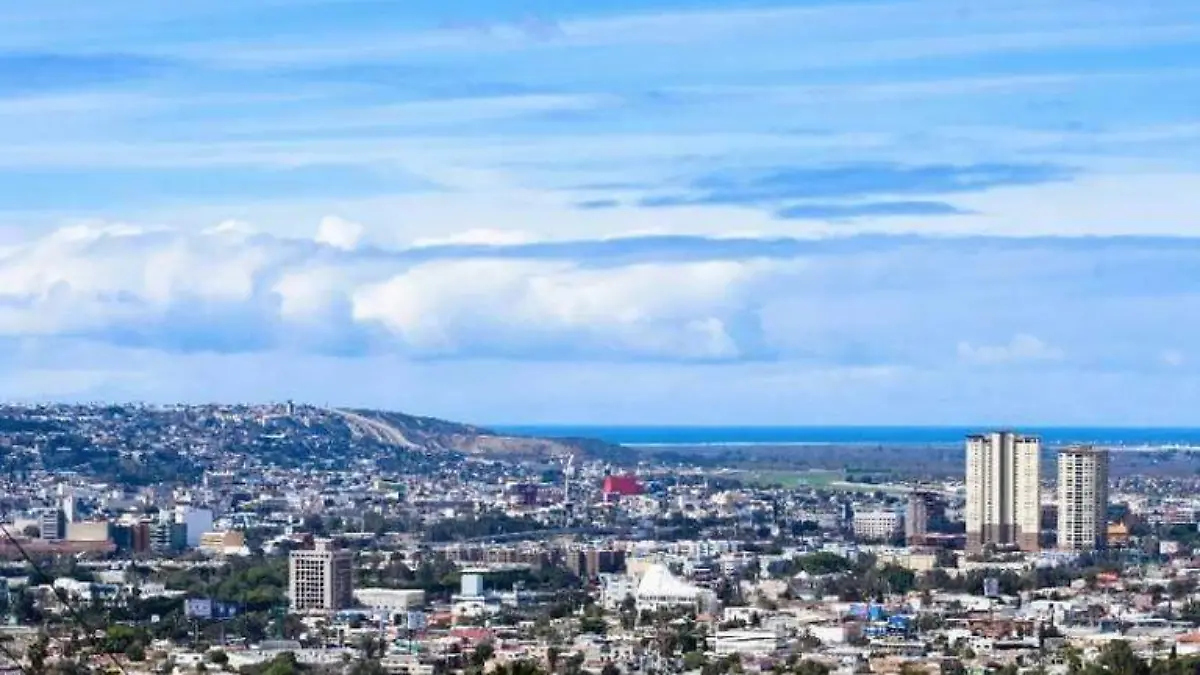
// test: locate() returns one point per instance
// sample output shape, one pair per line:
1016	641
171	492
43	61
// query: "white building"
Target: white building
877	525
758	643
320	579
661	589
471	586
1003	494
390	599
1082	498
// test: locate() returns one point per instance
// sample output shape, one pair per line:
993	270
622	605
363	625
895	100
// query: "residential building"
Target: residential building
1003	491
877	525
1082	498
320	579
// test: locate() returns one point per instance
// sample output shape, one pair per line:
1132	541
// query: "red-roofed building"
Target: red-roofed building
621	486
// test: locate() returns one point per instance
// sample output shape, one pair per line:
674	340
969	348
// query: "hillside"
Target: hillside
440	435
140	445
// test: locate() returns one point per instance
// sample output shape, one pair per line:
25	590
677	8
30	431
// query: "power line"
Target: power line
61	595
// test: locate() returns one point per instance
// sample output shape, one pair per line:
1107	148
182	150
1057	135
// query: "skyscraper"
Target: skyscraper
320	579
1082	498
1003	492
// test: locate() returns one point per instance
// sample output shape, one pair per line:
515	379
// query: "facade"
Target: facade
320	579
167	536
222	542
52	525
877	525
589	562
390	599
1082	498
1003	491
923	509
99	530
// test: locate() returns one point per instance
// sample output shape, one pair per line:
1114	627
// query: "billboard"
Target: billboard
416	621
224	610
198	608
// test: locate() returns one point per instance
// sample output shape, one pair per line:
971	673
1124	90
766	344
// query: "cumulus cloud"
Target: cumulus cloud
868	303
339	233
660	310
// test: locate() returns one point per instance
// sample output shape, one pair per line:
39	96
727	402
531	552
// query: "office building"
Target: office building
52	525
1003	491
1082	498
320	579
167	536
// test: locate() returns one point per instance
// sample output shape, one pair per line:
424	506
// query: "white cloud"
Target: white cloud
483	237
659	310
1021	348
339	233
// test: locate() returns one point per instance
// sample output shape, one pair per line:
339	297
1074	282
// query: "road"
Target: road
377	429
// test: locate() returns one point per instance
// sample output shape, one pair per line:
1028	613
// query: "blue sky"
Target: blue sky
673	211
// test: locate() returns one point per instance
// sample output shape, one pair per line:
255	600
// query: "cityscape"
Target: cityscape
292	537
622	337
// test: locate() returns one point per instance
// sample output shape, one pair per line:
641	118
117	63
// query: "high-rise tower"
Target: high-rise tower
1082	498
1003	492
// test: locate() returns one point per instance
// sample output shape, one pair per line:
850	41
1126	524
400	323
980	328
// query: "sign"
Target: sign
224	610
198	608
416	621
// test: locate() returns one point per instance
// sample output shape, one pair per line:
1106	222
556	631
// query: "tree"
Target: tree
810	667
136	652
610	669
37	652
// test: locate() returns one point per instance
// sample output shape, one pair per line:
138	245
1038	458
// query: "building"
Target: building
616	487
167	536
99	530
754	643
1082	498
471	586
925	511
198	521
590	562
660	589
390	600
1003	492
52	525
223	542
877	525
320	579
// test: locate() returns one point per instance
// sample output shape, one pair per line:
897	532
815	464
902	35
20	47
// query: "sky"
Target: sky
655	212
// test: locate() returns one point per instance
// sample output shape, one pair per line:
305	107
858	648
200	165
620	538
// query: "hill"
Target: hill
140	444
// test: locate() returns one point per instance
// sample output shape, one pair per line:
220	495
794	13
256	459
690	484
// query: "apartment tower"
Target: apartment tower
320	579
1003	493
1082	498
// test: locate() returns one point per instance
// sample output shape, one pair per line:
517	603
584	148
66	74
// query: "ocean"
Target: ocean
849	435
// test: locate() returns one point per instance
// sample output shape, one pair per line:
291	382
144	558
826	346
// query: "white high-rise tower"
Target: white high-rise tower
1004	505
1082	498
